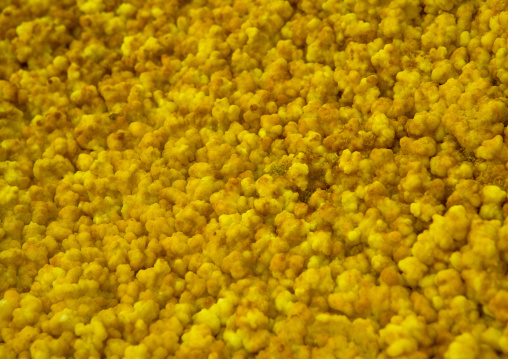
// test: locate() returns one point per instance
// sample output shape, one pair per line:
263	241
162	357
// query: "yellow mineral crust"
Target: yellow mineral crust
253	179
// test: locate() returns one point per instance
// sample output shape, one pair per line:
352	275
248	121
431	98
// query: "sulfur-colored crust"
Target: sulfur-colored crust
253	179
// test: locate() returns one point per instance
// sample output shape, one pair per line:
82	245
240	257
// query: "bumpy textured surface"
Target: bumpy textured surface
240	179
